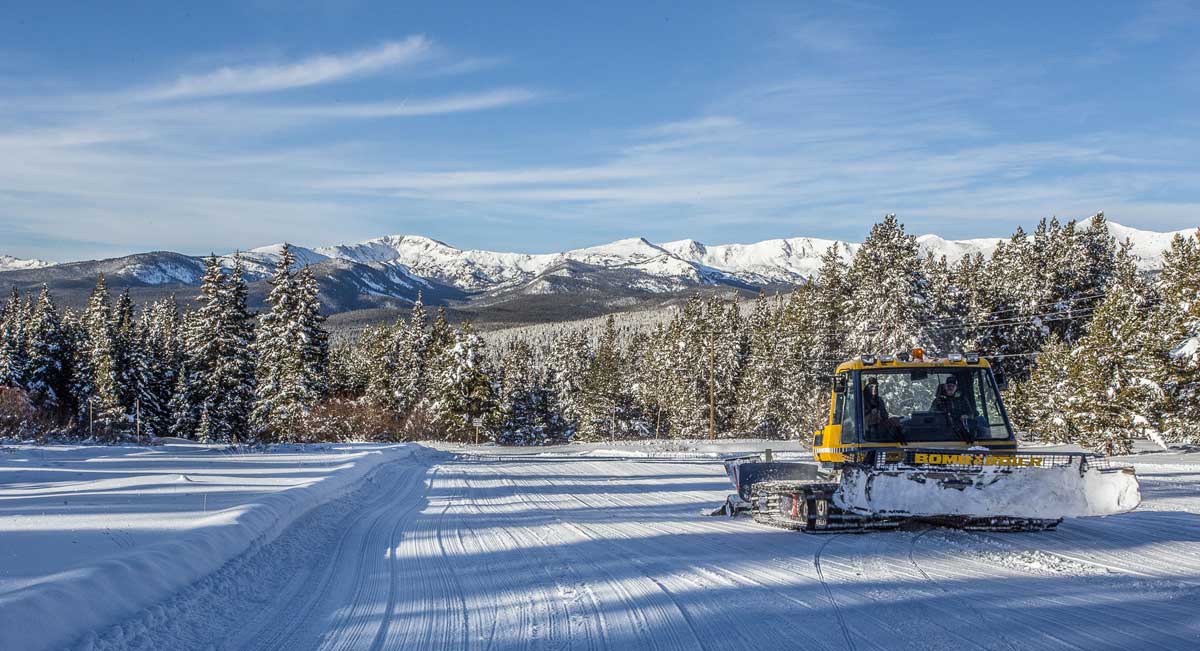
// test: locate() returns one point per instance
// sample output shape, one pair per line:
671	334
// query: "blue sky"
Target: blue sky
540	127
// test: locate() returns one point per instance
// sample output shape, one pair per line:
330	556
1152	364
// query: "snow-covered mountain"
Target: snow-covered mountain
8	263
390	271
674	265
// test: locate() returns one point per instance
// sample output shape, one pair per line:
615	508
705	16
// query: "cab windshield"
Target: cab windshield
910	405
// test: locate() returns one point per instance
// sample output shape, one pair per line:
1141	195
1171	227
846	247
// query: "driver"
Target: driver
950	400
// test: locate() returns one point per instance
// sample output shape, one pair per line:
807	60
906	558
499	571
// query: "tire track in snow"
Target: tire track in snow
557	612
837	610
393	568
616	584
715	571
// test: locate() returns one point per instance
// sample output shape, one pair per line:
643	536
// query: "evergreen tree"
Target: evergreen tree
124	342
188	397
1177	321
948	306
1113	398
606	408
1041	407
232	377
888	307
464	396
293	352
157	361
527	409
103	398
762	406
14	360
567	364
48	349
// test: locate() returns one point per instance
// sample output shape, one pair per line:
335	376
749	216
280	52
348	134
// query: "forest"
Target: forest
1098	354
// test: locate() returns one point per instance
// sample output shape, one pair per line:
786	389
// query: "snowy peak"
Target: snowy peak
1147	245
9	263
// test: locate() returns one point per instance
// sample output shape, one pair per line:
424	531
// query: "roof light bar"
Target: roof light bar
904	356
868	359
955	357
918	353
972	358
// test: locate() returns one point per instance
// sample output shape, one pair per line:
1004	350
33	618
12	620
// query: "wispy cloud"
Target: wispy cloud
316	70
411	108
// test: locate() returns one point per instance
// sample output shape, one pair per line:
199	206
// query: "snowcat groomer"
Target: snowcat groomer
916	438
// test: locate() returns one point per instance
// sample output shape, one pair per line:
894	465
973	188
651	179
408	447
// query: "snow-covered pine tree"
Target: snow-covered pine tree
232	375
888	308
1012	327
464	401
807	364
567	363
14	359
124	334
606	405
523	400
687	349
978	291
48	351
1112	395
157	360
187	397
103	402
293	353
762	406
649	369
948	305
1040	407
1177	321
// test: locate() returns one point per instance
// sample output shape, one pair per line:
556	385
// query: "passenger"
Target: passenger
875	414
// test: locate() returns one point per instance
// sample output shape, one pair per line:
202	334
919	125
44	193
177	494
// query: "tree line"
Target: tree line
1098	352
214	373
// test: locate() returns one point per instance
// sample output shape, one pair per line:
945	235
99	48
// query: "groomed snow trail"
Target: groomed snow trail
443	551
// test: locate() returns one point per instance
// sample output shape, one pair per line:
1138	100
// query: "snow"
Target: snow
103	532
595	546
9	263
790	260
1045	493
1187	351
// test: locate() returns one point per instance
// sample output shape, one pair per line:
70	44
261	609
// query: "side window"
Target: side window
850	410
839	400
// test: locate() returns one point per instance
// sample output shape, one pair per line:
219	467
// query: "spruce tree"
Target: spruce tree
464	396
48	349
124	338
293	353
1113	399
606	406
103	401
761	405
14	360
1177	321
888	306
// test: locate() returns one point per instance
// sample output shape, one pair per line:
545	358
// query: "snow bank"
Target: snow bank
1048	493
89	536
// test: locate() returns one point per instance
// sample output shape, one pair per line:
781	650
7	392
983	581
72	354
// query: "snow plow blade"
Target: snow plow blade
971	487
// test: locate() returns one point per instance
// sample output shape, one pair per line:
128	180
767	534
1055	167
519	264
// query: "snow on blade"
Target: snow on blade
1044	493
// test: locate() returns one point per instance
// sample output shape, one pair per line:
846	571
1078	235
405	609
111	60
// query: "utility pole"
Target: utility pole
712	390
91	427
137	419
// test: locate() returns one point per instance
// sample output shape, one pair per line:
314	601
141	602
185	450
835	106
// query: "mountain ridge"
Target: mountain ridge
390	271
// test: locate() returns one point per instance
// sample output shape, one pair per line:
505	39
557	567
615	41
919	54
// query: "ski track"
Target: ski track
495	553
